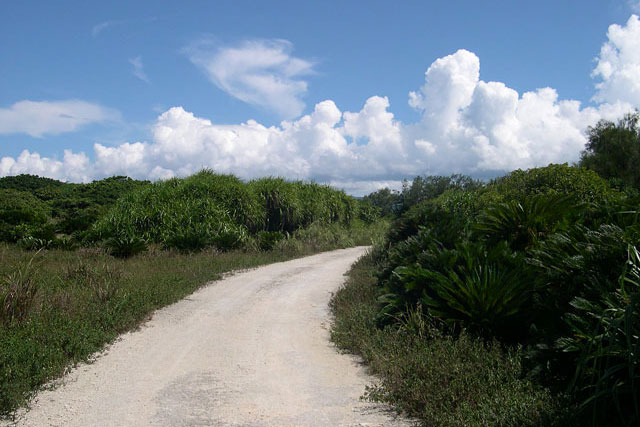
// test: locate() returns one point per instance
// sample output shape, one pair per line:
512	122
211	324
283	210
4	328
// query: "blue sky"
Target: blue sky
164	89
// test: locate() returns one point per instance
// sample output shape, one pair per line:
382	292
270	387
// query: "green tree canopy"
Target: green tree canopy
613	150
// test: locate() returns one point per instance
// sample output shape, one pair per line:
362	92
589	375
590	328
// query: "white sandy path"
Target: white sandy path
250	350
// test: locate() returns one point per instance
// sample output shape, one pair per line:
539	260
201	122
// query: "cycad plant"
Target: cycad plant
523	223
125	245
482	289
605	339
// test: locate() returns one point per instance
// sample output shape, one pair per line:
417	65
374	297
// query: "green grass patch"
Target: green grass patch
440	379
58	307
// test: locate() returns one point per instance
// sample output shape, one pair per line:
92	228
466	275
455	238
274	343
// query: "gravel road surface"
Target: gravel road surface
249	350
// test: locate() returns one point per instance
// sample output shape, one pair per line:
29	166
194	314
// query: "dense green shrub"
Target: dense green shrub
440	379
582	184
207	209
367	212
188	214
523	224
32	206
21	214
535	258
227	192
268	239
430	187
28	183
485	290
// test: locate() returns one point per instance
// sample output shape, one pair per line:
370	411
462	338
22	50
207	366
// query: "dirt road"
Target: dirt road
250	350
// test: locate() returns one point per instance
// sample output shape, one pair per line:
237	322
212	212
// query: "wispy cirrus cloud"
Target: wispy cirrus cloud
138	69
259	72
39	118
98	28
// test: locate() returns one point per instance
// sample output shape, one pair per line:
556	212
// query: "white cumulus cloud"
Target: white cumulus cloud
38	118
73	167
467	125
259	72
619	64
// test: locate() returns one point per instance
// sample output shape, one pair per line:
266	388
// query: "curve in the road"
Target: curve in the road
250	350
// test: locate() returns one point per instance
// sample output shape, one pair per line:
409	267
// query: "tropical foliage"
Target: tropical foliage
42	212
221	211
546	259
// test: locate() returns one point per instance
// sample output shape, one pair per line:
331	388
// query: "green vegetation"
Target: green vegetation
389	203
613	151
529	283
86	262
50	213
221	211
58	307
439	378
515	302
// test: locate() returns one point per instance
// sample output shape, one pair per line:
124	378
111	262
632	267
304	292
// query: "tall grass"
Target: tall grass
18	291
211	210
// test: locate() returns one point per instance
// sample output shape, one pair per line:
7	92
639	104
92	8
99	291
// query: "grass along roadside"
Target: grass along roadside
439	379
58	307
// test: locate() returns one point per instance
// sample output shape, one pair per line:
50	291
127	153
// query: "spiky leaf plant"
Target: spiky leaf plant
478	289
605	339
524	223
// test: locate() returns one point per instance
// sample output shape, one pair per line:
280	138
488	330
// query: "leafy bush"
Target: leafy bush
582	184
367	212
535	259
387	201
484	291
28	183
293	205
19	211
430	187
440	379
220	210
43	207
268	239
229	236
446	227
189	214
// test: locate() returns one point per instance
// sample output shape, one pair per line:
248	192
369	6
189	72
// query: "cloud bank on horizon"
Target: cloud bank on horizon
467	125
